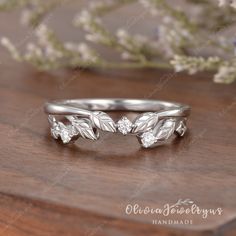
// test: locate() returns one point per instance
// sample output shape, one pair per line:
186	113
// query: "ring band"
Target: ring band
156	124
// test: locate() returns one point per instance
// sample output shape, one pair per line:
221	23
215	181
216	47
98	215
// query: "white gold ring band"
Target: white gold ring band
85	117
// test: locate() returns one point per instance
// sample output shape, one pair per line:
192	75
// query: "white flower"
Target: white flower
70	46
86	52
190	64
225	3
122	33
123	38
94	37
179	68
233	4
52	53
87	21
83	18
126	55
226	74
6	42
150	6
83	49
33	51
42	32
10	47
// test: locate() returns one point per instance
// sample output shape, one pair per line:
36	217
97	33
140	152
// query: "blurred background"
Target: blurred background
181	51
185	35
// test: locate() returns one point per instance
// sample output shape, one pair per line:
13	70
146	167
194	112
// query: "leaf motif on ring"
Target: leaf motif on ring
166	129
84	127
52	120
103	121
144	122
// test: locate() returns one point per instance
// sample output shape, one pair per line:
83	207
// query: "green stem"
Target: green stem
127	65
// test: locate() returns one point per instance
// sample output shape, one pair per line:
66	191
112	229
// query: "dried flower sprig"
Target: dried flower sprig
176	45
194	64
224	3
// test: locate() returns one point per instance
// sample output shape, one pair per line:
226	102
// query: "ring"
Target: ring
158	120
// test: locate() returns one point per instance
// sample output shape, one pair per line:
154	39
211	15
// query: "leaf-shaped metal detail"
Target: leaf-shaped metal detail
52	120
103	121
144	122
84	127
181	128
55	131
166	130
55	128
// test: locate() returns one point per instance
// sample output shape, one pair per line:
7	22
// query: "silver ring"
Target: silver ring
158	120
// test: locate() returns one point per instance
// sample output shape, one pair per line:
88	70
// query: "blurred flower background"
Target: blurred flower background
186	35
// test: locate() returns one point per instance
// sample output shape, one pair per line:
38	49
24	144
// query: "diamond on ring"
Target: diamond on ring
124	125
85	118
148	139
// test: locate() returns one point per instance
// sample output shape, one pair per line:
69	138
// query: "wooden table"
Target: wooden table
47	188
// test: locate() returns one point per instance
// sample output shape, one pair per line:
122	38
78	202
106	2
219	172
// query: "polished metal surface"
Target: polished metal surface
157	122
81	106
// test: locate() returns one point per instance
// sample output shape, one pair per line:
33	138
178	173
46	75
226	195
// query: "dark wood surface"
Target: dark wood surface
50	189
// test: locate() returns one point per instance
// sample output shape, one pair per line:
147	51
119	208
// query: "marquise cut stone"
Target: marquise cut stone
124	125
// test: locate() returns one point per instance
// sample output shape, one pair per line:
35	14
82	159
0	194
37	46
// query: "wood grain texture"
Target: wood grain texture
47	188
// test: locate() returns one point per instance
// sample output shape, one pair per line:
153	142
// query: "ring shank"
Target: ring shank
85	106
